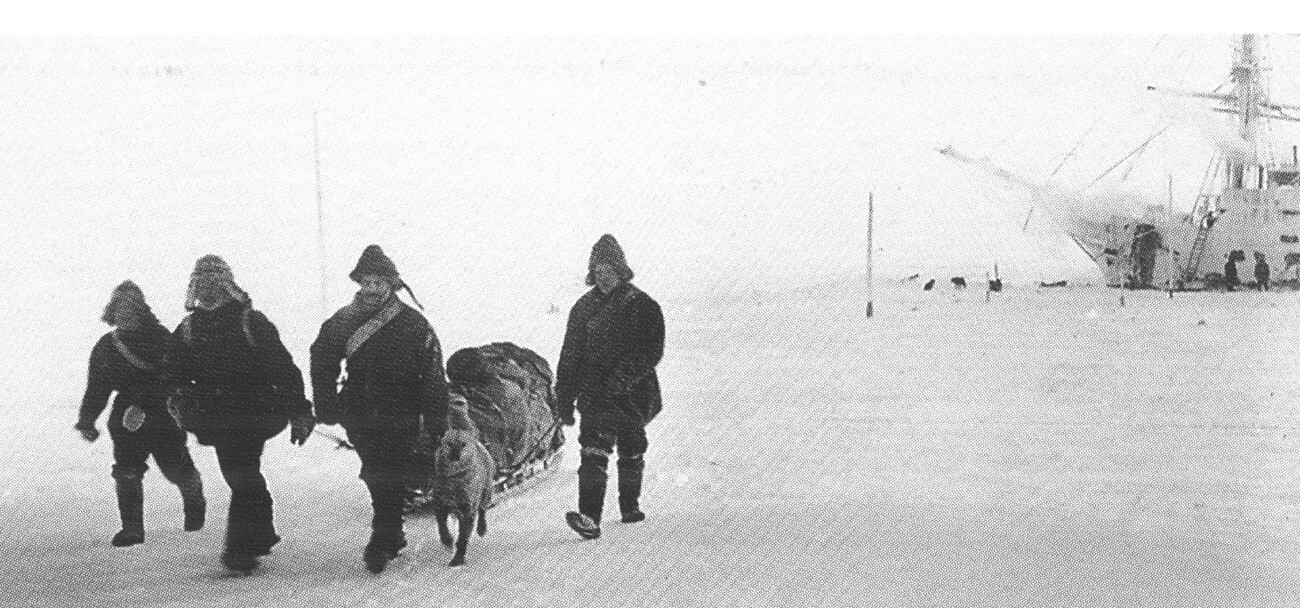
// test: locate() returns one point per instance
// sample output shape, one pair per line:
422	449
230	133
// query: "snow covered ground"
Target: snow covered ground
1045	448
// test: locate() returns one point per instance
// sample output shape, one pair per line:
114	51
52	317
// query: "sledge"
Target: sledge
506	393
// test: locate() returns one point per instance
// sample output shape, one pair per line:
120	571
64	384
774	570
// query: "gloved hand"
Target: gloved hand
88	431
300	429
564	408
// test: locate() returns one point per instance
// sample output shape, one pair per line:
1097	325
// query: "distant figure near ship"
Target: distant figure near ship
1262	272
1230	279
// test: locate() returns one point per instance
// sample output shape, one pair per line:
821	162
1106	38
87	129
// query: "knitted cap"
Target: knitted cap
607	251
127	294
374	262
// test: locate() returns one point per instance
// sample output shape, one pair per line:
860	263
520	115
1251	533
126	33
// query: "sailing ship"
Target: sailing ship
1248	203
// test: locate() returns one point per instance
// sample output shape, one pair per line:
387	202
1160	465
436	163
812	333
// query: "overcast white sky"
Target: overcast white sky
487	166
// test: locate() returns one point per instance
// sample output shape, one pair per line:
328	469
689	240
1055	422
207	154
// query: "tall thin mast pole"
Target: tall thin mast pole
1245	75
1246	72
870	248
320	216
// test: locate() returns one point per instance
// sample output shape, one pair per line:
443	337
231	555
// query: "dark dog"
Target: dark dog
959	282
464	476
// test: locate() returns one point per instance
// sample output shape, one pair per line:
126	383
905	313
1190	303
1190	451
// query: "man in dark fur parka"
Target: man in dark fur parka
394	379
613	341
127	360
228	357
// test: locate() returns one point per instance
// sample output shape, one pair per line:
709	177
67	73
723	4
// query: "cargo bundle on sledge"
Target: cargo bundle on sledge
505	391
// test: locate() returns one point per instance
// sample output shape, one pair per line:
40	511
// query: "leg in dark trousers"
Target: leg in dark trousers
593	472
177	466
129	466
385	448
250	530
632	445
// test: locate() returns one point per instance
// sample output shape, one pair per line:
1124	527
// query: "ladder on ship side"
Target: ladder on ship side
1198	244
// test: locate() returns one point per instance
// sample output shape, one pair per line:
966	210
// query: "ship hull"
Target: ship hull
1159	249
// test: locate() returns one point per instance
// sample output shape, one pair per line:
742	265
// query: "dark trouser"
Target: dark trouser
249	526
385	445
131	451
598	440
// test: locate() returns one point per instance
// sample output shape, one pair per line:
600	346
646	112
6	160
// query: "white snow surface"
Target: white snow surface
1043	448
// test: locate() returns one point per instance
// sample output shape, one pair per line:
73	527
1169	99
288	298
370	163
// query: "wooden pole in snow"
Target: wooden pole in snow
320	217
870	248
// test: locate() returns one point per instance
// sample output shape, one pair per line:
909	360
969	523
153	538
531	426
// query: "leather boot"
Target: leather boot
386	536
130	506
629	487
592	477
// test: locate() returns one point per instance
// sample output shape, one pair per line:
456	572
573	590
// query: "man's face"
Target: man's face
126	316
605	276
375	291
210	290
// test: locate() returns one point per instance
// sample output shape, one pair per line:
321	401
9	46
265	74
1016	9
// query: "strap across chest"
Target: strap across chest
131	357
370	327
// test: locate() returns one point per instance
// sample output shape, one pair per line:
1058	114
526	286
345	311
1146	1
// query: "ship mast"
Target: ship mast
1249	95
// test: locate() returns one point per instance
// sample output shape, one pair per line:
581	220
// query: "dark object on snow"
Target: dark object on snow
1061	283
928	285
958	282
509	404
912	277
995	285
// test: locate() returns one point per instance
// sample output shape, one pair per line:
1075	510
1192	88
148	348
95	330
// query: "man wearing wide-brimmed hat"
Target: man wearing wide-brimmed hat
127	360
394	382
237	387
613	341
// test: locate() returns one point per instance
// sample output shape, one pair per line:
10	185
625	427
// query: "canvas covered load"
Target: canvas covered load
506	393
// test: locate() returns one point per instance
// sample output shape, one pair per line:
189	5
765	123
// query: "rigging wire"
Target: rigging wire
1137	150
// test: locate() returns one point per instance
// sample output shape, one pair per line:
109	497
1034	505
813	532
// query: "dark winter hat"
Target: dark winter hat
127	294
373	261
212	264
607	251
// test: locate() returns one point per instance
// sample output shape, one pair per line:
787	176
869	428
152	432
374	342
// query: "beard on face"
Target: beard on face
372	301
211	292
